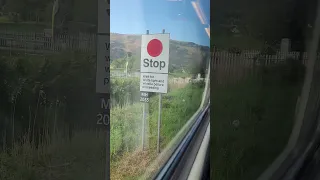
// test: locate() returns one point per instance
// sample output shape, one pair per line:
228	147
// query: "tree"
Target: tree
134	64
27	9
264	20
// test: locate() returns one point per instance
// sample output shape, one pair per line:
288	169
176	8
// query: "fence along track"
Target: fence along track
231	68
39	43
226	67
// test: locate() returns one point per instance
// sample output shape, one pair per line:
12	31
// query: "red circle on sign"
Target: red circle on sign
154	47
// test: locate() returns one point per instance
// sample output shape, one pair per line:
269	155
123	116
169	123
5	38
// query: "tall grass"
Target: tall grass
81	158
126	128
48	127
45	150
125	91
53	155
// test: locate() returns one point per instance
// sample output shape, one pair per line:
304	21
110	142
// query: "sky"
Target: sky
177	18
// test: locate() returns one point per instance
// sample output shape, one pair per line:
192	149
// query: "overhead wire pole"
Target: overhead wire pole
144	119
55	9
127	63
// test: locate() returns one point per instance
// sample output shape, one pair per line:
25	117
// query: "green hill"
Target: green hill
182	54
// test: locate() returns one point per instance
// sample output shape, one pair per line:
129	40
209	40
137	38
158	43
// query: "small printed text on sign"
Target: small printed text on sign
149	82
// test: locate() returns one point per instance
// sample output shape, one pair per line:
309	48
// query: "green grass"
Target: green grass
177	107
83	157
125	129
265	113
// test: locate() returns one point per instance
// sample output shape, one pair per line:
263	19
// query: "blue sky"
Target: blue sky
177	17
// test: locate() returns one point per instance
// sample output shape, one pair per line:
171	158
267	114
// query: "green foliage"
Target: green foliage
63	78
133	63
240	25
125	91
4	19
86	149
125	129
28	10
117	63
291	73
56	94
199	66
34	86
264	109
40	10
177	107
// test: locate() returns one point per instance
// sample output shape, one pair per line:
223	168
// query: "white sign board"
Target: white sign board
155	53
103	48
103	64
154	63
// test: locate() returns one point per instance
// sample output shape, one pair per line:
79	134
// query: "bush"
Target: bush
61	89
125	91
289	73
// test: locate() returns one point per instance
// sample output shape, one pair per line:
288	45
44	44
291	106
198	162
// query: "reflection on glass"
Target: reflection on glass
48	104
257	81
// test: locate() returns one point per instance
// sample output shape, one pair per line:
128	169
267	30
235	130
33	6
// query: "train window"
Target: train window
155	93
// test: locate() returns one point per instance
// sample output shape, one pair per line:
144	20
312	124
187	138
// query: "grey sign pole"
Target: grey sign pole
144	119
159	122
143	124
159	116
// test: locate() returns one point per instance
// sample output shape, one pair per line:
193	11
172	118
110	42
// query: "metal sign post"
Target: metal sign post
144	119
144	98
159	122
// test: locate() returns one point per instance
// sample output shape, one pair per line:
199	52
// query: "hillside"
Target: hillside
181	53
